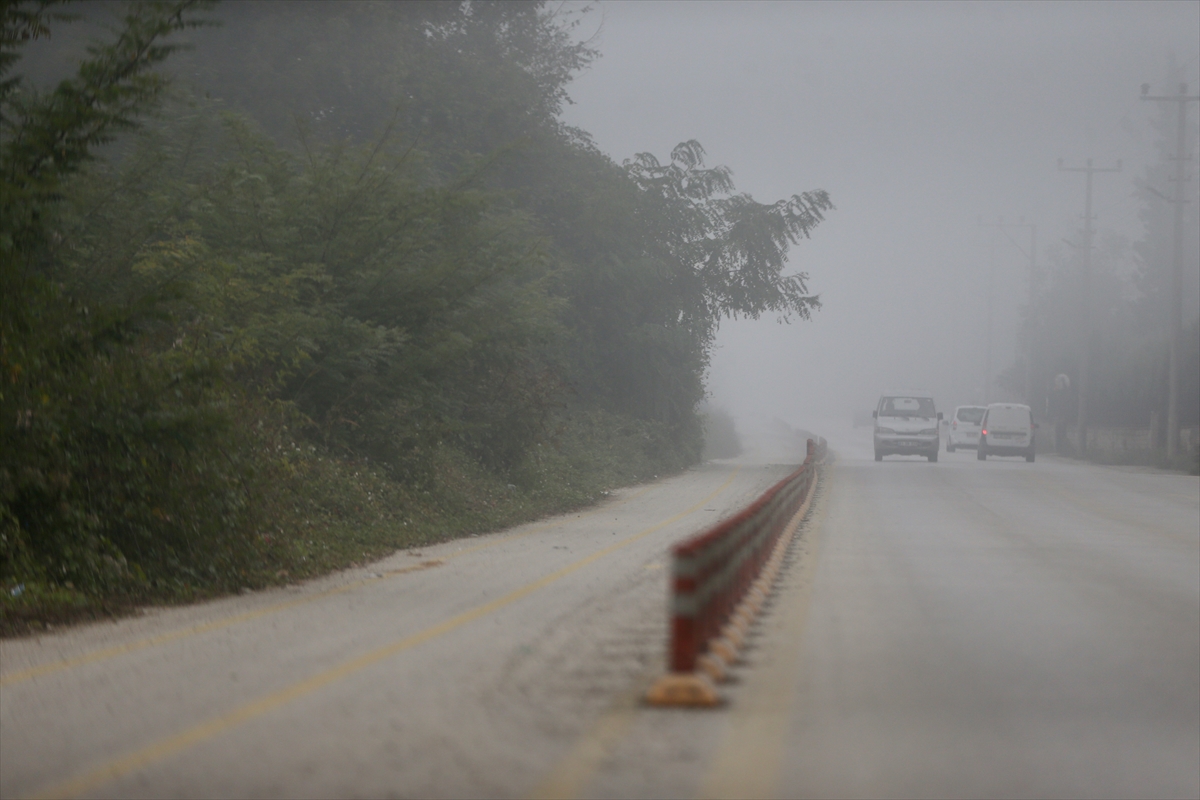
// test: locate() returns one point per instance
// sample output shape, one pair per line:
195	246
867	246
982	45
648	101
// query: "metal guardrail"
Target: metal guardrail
719	580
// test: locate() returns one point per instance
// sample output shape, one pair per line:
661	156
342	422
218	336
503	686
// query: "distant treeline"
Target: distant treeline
1129	337
1128	310
344	283
1129	344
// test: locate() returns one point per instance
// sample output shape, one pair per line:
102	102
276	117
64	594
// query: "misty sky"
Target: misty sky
918	118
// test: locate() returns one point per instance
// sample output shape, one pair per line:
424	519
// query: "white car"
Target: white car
906	424
1007	431
965	426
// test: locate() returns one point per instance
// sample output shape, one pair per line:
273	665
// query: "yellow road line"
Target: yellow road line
574	771
205	730
750	761
141	644
18	676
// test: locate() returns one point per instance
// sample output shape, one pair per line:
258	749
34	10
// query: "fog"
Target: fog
921	120
352	424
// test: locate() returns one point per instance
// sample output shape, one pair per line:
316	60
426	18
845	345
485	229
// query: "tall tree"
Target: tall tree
727	251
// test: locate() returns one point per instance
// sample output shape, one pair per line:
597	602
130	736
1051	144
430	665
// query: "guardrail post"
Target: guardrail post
714	576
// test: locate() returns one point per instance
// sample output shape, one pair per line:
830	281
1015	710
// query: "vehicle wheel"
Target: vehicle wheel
933	457
1030	455
980	454
949	447
878	456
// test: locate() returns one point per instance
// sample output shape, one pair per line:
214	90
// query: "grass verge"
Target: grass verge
314	513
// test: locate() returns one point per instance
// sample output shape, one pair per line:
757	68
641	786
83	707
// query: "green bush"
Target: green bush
225	363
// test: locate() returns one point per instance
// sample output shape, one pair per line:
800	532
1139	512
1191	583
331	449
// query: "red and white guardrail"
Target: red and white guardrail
719	580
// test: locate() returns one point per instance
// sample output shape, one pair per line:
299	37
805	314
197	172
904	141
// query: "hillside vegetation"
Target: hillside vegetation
334	281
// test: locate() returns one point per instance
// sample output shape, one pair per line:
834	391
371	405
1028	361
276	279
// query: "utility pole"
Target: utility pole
1175	313
1085	300
987	360
1003	227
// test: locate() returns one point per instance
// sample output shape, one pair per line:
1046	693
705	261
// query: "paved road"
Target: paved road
465	669
961	629
1000	630
952	629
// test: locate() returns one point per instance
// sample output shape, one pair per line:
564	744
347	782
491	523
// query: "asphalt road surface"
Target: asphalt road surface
956	629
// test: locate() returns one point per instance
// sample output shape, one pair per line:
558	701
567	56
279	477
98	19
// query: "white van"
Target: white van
906	424
965	426
1007	431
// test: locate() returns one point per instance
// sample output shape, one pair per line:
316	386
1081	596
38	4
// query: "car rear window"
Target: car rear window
970	415
907	407
1009	417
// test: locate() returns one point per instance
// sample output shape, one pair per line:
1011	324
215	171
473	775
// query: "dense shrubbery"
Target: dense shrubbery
232	354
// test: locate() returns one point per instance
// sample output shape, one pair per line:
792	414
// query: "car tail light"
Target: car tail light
984	431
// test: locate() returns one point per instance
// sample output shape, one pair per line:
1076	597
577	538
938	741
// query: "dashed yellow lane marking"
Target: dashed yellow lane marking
18	676
750	761
206	730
